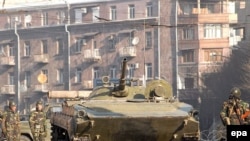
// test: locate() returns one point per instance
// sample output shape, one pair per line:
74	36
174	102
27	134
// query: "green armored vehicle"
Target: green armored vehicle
124	113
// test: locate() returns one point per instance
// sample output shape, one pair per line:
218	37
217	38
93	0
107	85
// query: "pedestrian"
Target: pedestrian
234	108
11	123
37	121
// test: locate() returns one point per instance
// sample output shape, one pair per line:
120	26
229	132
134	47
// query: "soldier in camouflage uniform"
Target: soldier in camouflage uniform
233	109
37	122
11	123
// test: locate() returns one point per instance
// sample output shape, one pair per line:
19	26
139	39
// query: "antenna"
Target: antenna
135	41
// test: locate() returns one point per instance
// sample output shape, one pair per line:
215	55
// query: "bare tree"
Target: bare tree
235	72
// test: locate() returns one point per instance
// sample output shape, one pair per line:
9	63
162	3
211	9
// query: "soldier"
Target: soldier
37	122
233	109
11	123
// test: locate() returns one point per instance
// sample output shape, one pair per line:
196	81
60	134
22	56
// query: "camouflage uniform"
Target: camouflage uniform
37	122
233	108
11	124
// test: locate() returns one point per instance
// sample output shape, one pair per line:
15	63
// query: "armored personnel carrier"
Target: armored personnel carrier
124	112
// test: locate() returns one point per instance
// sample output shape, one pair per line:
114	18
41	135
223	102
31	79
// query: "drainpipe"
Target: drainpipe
159	40
17	59
68	55
176	48
199	6
68	42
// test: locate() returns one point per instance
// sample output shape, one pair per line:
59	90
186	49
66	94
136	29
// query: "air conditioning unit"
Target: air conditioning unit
136	65
84	10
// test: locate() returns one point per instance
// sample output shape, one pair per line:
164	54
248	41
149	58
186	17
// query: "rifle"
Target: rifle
235	110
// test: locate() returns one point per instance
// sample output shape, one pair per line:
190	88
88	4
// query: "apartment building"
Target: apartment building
75	43
208	30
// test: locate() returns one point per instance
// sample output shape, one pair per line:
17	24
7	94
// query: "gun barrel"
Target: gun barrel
122	79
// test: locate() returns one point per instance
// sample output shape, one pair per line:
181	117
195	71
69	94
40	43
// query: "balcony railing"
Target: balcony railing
127	52
8	89
92	54
41	88
9	60
43	58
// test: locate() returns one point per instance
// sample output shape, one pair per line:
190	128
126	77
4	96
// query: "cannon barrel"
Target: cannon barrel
122	79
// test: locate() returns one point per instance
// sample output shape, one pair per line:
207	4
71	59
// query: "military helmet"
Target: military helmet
235	92
12	103
39	103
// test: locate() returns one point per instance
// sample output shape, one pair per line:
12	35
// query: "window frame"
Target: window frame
113	13
27	48
131	11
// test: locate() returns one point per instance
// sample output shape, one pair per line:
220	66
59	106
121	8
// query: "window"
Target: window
27	48
96	72
189	83
188	34
113	72
149	71
44	47
78	16
131	9
213	55
78	75
60	76
212	31
11	51
112	43
148	39
27	20
149	9
61	17
131	70
60	46
188	55
96	13
187	9
94	44
79	44
46	73
113	13
11	78
27	78
45	18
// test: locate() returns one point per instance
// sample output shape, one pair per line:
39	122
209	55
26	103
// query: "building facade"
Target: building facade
75	43
208	30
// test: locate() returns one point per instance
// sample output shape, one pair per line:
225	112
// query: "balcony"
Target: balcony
92	55
41	88
43	58
9	60
204	43
206	17
127	51
8	89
